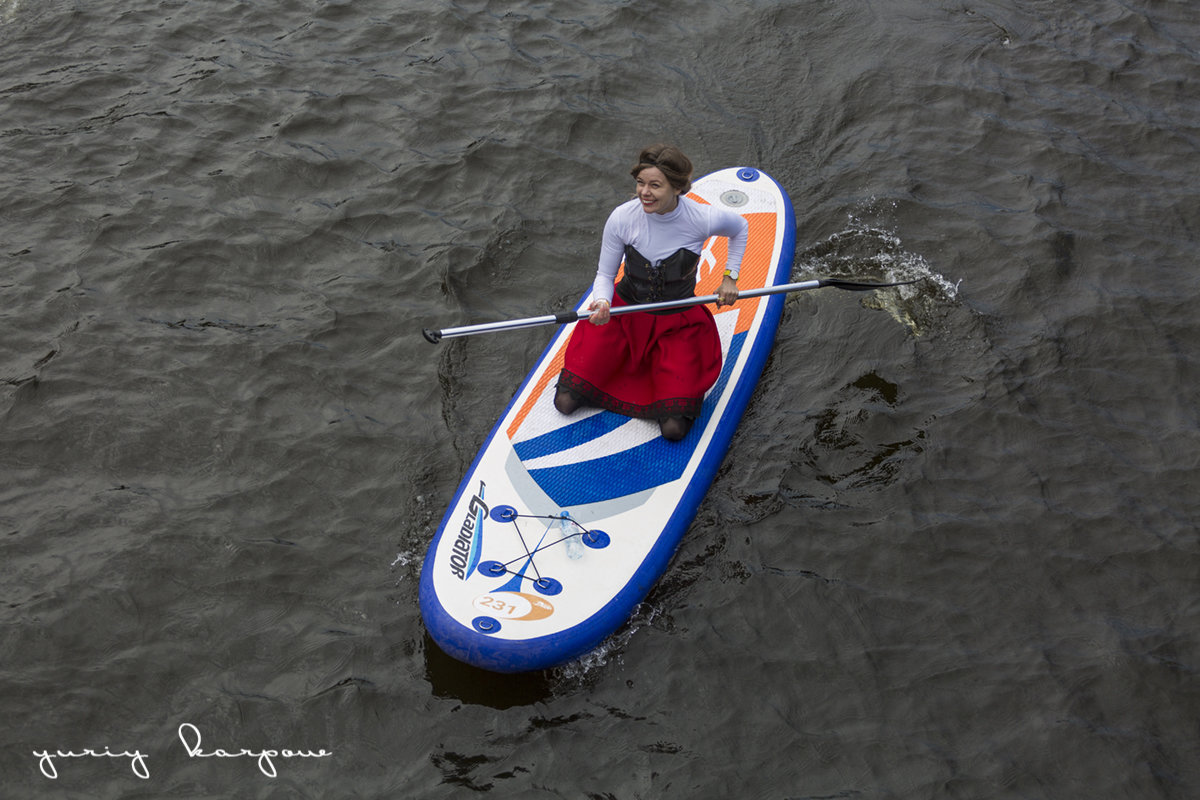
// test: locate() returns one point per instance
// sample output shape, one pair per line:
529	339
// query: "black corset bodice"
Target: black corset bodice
673	278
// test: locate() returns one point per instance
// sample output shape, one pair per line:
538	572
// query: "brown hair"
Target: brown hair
675	166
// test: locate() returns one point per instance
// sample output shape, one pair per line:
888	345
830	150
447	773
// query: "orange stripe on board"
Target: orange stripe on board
756	263
551	373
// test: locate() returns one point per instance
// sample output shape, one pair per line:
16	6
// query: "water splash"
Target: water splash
868	252
580	672
405	561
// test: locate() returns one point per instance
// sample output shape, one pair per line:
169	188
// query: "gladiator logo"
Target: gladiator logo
465	554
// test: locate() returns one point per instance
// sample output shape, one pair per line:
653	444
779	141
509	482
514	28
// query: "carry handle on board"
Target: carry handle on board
563	317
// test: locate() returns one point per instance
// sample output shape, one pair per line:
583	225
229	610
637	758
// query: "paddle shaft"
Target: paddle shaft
563	317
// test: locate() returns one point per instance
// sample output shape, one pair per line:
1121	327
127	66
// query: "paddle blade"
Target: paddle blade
856	286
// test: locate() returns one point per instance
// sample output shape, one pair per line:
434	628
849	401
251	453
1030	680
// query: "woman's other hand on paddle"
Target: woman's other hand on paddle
727	295
599	309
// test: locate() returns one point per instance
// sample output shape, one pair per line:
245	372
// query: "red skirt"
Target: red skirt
645	365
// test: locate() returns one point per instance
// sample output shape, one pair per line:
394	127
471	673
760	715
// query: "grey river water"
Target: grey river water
952	552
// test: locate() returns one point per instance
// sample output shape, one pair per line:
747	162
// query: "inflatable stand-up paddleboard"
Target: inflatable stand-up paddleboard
564	523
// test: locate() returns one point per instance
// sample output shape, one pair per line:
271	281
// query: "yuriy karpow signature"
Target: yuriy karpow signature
189	736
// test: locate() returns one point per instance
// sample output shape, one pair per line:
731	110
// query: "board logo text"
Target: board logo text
465	552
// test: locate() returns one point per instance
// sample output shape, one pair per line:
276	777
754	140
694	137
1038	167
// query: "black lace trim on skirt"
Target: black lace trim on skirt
660	409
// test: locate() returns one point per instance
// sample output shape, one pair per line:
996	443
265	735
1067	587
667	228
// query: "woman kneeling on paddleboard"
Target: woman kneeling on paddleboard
653	365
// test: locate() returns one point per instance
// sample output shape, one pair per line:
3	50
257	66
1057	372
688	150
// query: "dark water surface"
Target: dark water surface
952	553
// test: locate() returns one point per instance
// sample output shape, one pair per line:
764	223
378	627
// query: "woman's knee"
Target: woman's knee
566	401
674	428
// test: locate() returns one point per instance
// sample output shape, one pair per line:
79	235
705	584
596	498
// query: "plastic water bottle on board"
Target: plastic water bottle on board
570	531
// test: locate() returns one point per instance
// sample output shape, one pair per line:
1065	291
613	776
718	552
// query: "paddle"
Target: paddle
563	317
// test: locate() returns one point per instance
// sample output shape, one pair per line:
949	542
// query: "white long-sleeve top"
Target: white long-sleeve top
658	236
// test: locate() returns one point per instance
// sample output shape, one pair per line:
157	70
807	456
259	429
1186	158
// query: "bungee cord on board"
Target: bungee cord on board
546	585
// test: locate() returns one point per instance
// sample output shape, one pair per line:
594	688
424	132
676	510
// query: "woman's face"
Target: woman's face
655	192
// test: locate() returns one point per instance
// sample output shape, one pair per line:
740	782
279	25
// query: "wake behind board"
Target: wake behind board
564	523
